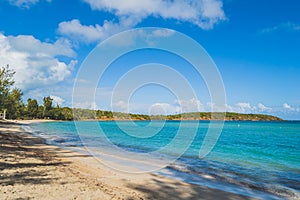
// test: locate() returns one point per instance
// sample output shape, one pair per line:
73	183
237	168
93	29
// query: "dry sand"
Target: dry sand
30	169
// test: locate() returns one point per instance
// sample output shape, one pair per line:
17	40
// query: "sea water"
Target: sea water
258	159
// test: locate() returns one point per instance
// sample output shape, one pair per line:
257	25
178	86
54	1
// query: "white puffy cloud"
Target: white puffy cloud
86	105
179	106
25	3
36	63
287	106
89	33
163	109
151	109
203	13
57	100
93	33
261	107
243	107
190	105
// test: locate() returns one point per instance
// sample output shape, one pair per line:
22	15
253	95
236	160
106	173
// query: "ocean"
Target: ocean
257	159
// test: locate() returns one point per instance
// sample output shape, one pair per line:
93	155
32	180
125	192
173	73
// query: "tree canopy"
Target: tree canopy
10	98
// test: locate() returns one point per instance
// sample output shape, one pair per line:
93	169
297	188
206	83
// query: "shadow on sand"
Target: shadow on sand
25	159
177	190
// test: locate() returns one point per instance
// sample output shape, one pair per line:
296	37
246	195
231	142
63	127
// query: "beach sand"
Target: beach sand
31	169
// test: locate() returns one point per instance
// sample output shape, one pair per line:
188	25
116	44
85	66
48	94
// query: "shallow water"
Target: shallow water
259	159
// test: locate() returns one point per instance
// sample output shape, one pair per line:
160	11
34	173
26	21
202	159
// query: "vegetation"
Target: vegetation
229	116
11	100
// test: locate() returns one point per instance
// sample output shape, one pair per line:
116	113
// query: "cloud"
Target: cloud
289	26
244	107
287	106
178	106
89	33
163	109
163	33
57	100
151	109
261	107
288	111
241	107
121	106
36	63
86	105
212	107
63	91
203	13
191	105
25	3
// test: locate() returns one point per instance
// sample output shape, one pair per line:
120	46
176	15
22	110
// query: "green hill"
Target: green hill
80	114
229	116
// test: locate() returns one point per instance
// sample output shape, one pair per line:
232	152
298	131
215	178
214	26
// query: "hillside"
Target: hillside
229	116
80	114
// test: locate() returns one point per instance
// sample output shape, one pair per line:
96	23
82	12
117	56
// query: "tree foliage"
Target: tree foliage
47	107
6	79
13	104
32	108
10	98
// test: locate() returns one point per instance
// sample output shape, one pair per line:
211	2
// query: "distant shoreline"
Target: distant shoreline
129	120
79	114
176	120
92	115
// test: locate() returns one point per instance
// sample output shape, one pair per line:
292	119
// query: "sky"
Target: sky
255	45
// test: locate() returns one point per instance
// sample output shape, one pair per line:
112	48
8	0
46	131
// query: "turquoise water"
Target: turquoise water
260	159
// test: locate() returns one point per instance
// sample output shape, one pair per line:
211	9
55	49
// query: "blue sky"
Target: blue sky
255	45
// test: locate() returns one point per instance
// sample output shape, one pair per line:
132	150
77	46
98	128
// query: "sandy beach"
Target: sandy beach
31	169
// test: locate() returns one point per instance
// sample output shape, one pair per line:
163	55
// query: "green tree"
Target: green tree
47	106
56	113
32	108
67	113
6	82
40	112
13	104
10	99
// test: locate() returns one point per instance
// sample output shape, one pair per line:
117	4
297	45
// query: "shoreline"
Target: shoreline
130	120
43	171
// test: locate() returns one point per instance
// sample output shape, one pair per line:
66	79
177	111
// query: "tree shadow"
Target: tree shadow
4	123
25	159
26	177
173	189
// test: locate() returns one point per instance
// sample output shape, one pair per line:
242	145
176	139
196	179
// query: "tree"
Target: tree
67	113
32	108
47	106
6	82
10	99
13	104
40	112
